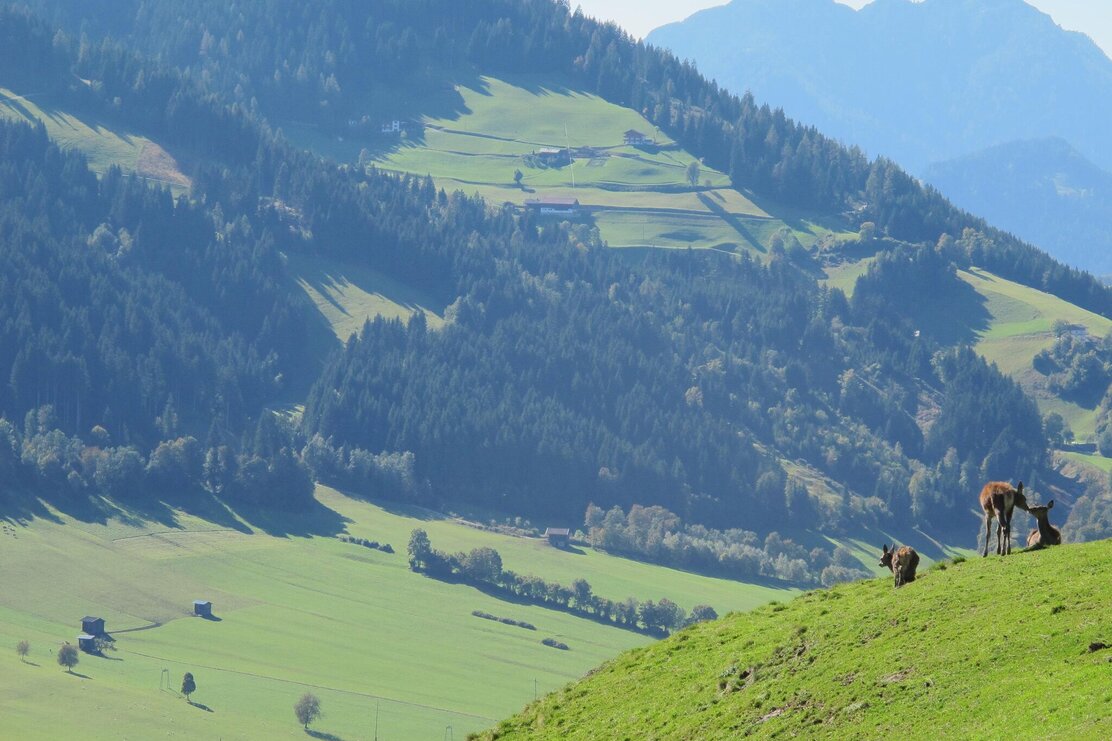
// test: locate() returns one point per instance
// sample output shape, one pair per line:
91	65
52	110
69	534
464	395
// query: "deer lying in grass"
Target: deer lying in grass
903	563
998	498
1045	534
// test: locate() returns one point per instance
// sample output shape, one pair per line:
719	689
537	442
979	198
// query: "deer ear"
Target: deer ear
1050	504
1019	487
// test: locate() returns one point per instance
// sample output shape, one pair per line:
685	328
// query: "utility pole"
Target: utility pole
376	720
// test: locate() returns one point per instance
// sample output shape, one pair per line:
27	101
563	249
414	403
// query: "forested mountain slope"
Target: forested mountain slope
930	83
731	391
1043	189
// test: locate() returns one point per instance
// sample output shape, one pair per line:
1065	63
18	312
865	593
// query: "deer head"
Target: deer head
1040	513
886	557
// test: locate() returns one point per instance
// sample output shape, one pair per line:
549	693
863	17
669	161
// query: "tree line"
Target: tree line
483	566
657	535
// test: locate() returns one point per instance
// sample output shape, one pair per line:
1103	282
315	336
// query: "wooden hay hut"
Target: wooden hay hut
558	537
93	626
202	607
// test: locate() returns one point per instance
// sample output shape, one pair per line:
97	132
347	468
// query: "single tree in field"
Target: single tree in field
188	686
23	648
307	709
67	657
420	548
518	175
693	173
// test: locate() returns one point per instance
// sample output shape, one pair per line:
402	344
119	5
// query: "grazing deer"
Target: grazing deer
903	563
1045	534
998	498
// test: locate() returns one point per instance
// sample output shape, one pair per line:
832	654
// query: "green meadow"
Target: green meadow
474	135
347	294
1013	647
104	145
299	610
1020	327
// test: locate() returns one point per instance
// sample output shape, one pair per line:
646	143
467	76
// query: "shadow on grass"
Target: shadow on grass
322	735
211	618
79	675
313	519
201	706
734	222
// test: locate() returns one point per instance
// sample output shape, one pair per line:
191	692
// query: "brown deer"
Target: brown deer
903	563
998	498
1045	534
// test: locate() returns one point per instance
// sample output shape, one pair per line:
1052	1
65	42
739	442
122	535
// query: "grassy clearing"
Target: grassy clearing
347	295
103	145
845	276
1093	460
297	613
868	661
475	134
680	231
1020	326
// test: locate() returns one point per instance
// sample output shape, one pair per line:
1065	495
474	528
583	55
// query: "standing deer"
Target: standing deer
903	563
1045	534
998	498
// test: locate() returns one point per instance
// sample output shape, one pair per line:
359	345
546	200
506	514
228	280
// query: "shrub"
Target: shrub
555	644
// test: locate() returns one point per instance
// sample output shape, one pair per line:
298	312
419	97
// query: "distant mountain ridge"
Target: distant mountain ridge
984	73
1043	189
927	83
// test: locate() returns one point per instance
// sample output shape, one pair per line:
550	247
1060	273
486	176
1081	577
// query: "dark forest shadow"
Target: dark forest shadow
313	519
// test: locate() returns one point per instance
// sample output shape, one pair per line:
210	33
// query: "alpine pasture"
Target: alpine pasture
297	610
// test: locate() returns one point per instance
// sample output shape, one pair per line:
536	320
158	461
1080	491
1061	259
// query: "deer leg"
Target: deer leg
1008	534
988	533
1000	532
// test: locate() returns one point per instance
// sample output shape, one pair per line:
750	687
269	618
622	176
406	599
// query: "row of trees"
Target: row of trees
483	566
657	535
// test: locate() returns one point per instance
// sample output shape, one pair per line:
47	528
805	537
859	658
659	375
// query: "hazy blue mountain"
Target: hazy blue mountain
1043	189
930	82
920	82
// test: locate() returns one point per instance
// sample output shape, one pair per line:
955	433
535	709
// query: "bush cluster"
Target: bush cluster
505	621
374	544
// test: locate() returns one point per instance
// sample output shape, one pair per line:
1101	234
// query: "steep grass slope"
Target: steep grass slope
994	648
103	144
299	611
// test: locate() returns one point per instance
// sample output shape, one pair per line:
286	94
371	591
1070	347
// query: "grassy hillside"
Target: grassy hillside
104	145
983	649
1011	324
1021	319
472	136
347	295
299	610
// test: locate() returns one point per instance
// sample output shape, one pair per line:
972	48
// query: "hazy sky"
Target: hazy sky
1093	17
